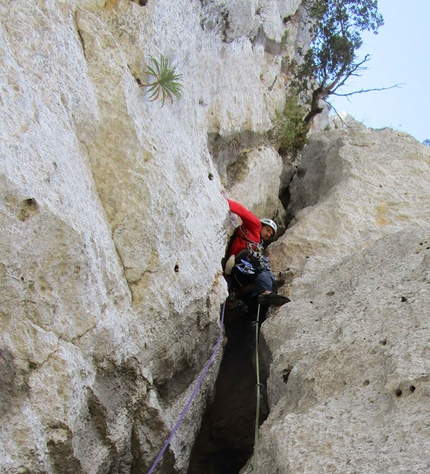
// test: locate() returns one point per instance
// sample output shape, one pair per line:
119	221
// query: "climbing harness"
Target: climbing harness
258	260
251	260
258	391
245	267
255	255
199	382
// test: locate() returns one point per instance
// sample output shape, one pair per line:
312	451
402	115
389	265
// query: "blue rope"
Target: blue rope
187	406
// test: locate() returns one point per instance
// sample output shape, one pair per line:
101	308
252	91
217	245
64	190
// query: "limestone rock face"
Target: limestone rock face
113	229
349	367
256	177
352	187
113	226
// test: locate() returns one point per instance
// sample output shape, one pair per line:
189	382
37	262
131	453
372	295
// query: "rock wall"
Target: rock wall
348	357
112	222
113	228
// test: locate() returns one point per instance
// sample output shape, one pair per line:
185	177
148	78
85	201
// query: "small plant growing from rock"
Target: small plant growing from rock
290	130
165	83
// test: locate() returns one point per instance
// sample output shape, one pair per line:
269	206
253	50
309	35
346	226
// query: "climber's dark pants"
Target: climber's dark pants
261	281
250	286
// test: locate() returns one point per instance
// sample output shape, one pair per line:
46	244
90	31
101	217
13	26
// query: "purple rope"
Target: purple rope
187	406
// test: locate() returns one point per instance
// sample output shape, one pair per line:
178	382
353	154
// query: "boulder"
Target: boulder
347	358
113	226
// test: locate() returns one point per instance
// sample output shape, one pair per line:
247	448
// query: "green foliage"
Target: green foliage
284	39
336	26
166	82
290	130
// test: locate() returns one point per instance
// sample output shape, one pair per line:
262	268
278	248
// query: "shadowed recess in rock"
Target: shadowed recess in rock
229	153
226	438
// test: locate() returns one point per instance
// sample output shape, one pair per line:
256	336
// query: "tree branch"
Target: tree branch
362	91
344	74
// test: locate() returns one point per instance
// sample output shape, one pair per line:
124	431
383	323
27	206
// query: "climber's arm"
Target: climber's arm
250	221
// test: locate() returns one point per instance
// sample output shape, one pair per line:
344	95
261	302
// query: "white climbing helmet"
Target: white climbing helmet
270	223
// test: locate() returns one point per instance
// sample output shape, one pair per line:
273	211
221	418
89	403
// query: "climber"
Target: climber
248	266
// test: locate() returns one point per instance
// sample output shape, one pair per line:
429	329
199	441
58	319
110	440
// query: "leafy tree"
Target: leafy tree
426	142
336	26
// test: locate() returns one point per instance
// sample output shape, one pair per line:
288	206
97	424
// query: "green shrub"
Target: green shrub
290	131
166	82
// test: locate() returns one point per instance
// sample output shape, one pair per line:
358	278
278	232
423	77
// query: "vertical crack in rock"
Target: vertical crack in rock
320	169
78	31
124	268
226	438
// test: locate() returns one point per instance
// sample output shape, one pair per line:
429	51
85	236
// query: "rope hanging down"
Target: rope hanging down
258	388
187	406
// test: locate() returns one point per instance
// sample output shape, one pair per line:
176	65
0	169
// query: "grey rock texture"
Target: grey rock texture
352	187
348	357
113	226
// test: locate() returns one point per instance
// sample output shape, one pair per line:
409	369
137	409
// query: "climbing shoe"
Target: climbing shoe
272	299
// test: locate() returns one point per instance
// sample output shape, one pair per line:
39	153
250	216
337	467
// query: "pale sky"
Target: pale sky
400	53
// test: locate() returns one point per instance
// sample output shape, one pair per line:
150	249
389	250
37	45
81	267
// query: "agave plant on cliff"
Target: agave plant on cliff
165	83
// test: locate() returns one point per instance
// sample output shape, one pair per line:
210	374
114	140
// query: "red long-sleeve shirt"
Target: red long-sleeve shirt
250	224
